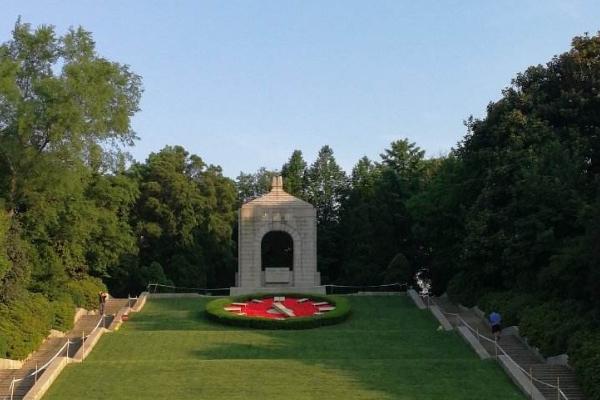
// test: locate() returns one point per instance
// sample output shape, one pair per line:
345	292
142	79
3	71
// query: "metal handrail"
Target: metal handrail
498	346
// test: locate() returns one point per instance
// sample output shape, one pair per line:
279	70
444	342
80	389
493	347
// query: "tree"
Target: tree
184	218
251	186
64	112
58	115
293	173
326	186
59	103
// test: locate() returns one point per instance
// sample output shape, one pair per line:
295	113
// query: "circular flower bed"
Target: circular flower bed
279	311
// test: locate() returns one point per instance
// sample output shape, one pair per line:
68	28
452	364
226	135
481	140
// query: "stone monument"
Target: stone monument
277	245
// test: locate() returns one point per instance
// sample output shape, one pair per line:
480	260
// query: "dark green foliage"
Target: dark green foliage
64	313
250	186
215	311
294	175
463	290
584	355
398	270
27	319
64	201
510	220
184	220
84	292
24	323
550	325
510	305
326	188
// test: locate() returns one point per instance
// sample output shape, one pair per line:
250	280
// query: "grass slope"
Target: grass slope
387	350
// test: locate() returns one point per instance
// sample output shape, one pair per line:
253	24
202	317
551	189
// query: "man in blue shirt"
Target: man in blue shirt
496	323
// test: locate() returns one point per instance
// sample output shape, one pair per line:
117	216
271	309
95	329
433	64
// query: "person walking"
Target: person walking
102	297
496	323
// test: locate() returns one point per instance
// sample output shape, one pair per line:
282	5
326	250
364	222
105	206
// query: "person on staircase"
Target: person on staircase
102	298
496	323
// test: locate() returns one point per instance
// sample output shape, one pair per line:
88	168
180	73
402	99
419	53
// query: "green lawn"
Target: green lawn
387	350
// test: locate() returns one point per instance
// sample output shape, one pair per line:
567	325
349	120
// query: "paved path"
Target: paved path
520	353
49	348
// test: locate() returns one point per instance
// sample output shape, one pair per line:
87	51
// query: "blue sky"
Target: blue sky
244	83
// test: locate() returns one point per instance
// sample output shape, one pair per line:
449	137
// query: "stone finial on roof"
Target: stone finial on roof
277	183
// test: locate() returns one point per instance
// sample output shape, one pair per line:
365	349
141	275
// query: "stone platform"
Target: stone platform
236	291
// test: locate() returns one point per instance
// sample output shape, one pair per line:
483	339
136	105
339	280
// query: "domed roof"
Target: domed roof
277	197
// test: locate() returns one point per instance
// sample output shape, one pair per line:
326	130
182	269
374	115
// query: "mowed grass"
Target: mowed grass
387	350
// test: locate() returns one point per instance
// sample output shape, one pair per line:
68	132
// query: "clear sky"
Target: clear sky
244	83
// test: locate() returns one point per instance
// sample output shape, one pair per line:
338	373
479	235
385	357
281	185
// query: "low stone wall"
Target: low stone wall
88	345
373	294
468	336
437	313
140	302
118	319
561	359
238	291
519	378
173	295
416	299
46	379
6	363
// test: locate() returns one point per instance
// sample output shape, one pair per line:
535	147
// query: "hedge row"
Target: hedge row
555	328
215	312
27	320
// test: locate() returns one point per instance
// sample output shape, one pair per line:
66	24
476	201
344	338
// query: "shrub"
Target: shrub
3	345
24	323
84	292
584	355
215	312
509	304
64	312
548	326
464	290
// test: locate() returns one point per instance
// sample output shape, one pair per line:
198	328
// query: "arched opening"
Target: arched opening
277	250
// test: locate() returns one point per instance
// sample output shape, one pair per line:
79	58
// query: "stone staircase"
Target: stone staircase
521	354
49	348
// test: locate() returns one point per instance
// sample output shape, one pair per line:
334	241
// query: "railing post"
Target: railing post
12	388
82	345
530	382
496	348
36	373
68	342
558	387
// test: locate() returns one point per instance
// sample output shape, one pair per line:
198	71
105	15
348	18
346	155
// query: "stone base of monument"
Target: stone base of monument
236	291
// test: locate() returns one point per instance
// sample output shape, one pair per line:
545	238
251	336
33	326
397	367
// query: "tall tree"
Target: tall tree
63	110
59	101
293	173
184	218
326	187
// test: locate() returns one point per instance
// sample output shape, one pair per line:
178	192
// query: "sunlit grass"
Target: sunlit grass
387	350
